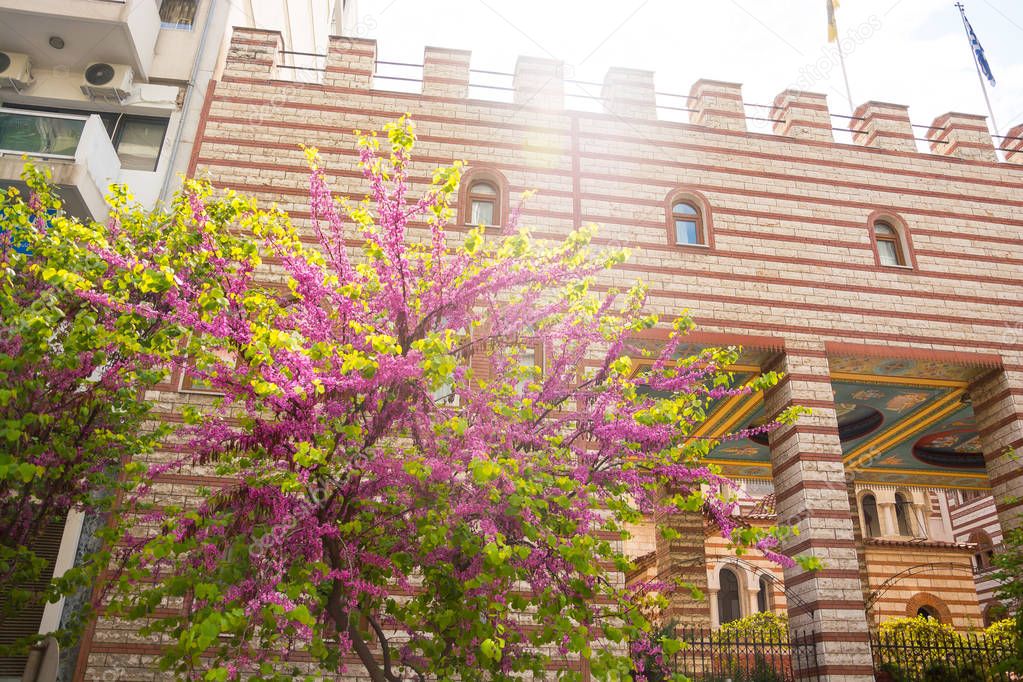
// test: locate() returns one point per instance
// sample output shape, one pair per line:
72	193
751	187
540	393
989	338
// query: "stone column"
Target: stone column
998	408
684	558
804	115
884	126
811	494
718	105
886	519
963	136
752	593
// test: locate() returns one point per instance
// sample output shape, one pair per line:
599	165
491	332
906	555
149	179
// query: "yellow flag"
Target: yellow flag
832	26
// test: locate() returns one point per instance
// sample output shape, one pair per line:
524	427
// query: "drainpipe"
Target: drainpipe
187	102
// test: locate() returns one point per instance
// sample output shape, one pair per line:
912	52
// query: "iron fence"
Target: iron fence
969	657
708	656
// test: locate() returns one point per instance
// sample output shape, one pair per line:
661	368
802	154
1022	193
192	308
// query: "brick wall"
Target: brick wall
791	257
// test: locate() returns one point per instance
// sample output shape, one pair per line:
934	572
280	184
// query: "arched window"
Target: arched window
928	612
688	223
871	524
903	509
889	246
484	204
985	550
729	608
764	596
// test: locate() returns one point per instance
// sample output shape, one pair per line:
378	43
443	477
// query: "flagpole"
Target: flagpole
845	76
841	60
976	63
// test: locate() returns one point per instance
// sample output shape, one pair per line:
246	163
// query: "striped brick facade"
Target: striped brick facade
789	264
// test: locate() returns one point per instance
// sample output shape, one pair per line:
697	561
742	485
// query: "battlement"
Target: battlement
540	84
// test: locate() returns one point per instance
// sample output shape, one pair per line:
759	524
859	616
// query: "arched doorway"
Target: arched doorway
729	606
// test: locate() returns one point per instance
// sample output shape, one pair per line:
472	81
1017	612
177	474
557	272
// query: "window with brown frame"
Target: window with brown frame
531	359
484	204
889	246
903	512
688	223
764	596
871	520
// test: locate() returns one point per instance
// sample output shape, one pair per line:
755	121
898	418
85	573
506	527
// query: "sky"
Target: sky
911	52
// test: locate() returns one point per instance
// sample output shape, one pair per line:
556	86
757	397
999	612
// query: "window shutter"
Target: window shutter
26	622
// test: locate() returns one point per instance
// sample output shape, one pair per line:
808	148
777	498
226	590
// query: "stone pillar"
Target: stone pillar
446	72
630	93
811	494
998	408
861	550
804	115
1012	144
253	53
685	559
539	83
351	62
886	519
717	105
752	594
884	126
963	136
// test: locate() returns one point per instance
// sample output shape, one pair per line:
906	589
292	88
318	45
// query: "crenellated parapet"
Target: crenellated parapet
883	125
539	85
803	115
962	136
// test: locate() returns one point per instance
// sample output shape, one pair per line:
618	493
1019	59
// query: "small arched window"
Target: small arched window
871	524
729	608
903	509
928	612
484	204
889	245
985	551
764	596
688	223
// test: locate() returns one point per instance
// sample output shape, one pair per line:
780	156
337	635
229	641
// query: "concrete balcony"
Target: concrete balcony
76	149
114	31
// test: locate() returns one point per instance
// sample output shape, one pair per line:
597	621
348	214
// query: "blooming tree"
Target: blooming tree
430	442
71	377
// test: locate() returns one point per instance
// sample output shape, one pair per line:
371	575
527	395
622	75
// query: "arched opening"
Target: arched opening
927	611
903	509
984	552
729	607
871	521
764	596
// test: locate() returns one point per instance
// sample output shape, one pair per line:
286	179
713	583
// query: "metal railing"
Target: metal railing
501	92
713	656
899	657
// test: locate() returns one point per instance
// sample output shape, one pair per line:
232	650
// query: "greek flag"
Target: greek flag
979	52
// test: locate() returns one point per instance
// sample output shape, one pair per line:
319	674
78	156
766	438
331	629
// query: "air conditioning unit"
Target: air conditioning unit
15	70
108	80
